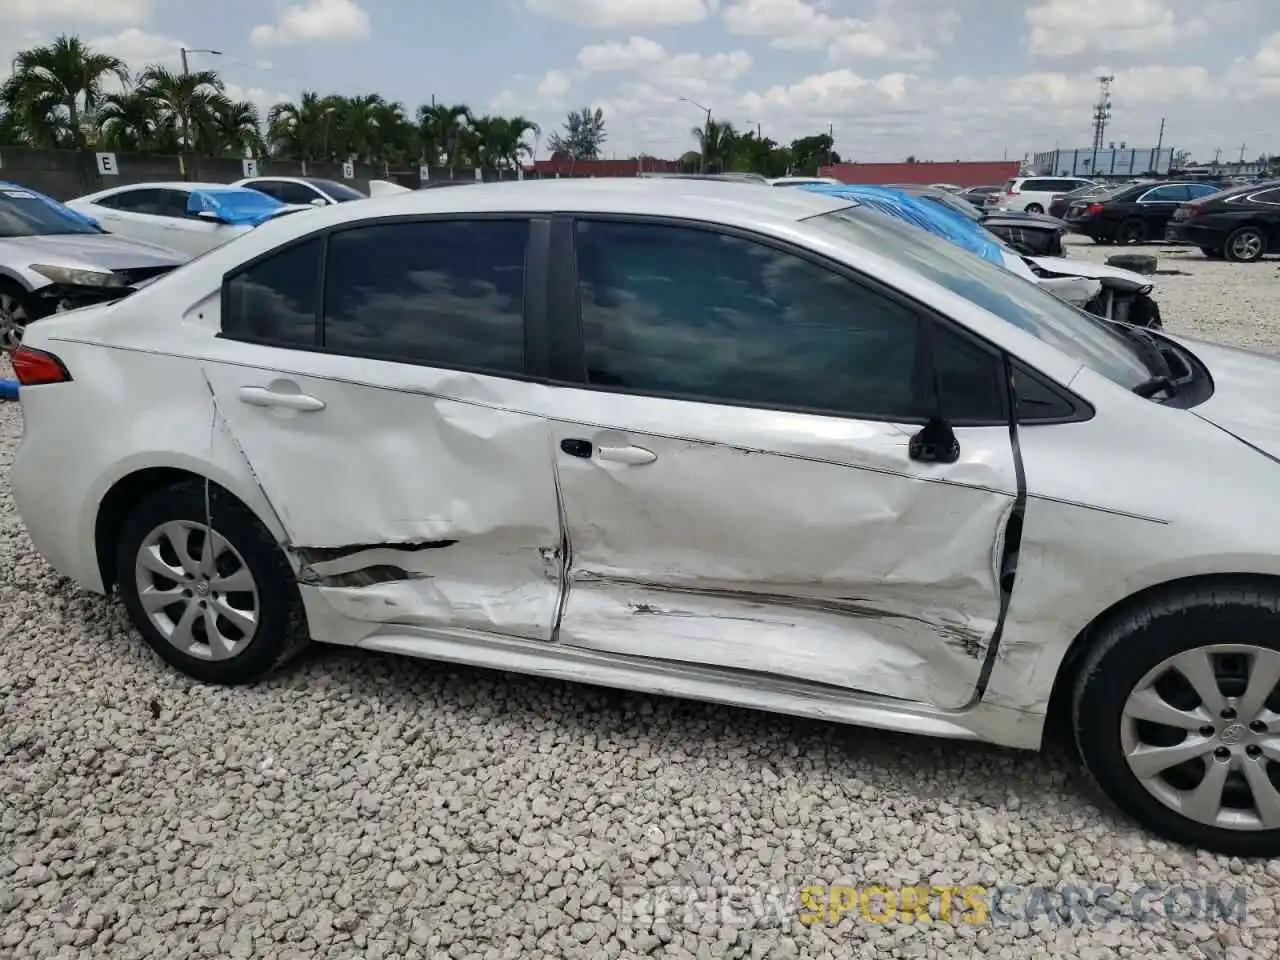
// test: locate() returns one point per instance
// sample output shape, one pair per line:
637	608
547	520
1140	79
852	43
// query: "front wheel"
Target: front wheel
17	309
1246	245
207	585
1177	718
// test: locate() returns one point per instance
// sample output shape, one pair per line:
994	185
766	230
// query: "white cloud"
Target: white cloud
319	20
621	13
635	52
91	11
140	49
892	32
1063	28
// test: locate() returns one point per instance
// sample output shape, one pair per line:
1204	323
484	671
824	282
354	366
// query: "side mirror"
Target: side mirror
319	202
209	216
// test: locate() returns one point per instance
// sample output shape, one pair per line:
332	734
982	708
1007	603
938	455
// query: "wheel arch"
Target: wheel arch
131	489
1058	716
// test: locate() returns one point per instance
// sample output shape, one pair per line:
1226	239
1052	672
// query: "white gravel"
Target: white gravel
366	806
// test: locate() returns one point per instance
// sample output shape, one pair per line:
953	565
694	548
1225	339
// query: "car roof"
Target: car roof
720	201
170	185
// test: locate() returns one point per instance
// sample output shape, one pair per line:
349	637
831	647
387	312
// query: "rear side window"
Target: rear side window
1037	186
446	293
270	187
295	193
153	201
1267	196
276	300
1009	185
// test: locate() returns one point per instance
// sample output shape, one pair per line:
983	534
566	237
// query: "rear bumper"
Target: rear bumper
1185	231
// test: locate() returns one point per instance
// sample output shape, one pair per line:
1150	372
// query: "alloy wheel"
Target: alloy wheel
1247	246
1201	733
197	590
12	319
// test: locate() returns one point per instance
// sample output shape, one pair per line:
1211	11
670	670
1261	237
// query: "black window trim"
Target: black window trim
533	295
568	342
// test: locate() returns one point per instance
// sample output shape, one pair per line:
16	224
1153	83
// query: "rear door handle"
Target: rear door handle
634	456
262	397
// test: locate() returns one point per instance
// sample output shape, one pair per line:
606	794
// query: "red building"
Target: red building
604	168
963	173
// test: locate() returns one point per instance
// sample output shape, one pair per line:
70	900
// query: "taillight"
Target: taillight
34	367
1194	210
1093	209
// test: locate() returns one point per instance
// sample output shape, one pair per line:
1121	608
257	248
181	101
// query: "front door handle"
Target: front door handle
262	397
633	456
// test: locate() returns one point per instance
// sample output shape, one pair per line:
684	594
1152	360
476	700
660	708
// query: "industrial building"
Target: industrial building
1088	162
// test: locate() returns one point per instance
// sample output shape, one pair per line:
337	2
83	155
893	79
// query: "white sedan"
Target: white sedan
190	218
768	449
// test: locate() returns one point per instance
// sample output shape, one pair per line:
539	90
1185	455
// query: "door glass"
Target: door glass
295	193
175	204
445	293
701	315
276	300
270	187
149	200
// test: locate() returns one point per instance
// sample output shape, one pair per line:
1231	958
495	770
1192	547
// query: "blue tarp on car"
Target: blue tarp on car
238	206
933	217
18	192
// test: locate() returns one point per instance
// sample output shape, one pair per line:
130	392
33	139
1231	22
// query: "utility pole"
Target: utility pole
1101	116
831	135
706	131
185	106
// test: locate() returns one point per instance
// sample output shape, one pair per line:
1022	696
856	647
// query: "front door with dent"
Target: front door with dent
736	477
415	488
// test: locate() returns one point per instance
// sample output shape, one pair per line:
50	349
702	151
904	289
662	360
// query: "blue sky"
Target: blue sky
938	79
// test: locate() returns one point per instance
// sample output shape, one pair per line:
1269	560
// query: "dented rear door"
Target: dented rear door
712	522
412	494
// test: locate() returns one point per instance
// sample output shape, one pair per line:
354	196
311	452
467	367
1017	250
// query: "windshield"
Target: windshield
339	191
27	214
1092	341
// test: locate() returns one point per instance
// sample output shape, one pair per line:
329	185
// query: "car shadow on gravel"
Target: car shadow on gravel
951	771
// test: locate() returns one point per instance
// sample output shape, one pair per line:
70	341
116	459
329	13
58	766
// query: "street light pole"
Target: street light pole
186	99
706	130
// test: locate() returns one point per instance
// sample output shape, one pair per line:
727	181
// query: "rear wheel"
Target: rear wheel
1246	245
17	309
1133	230
1177	717
207	585
1034	208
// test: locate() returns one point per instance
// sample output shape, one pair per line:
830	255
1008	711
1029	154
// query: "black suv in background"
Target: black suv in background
1242	223
1132	213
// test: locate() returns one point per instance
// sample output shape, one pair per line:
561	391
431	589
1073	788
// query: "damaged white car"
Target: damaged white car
681	437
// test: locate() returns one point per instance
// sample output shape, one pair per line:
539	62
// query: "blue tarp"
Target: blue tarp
933	217
8	389
238	206
53	204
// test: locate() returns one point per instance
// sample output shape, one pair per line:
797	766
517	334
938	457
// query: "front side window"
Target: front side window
696	314
287	192
1091	341
276	299
1174	193
443	293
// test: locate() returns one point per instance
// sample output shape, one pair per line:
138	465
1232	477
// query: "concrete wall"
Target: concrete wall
66	174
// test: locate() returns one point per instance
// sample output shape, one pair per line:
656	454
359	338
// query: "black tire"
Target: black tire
1211	253
1256	250
1123	653
1133	230
281	631
1142	263
1034	208
11	336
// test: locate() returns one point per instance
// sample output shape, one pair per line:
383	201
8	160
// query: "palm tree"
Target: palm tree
53	88
129	121
188	97
443	131
231	127
300	131
394	132
716	141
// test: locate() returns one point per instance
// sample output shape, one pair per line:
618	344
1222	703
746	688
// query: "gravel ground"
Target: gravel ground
366	806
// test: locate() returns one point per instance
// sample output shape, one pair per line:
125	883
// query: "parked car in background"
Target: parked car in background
799	181
315	191
1136	213
1101	289
190	218
867	493
1059	203
1242	223
53	258
978	195
1035	194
